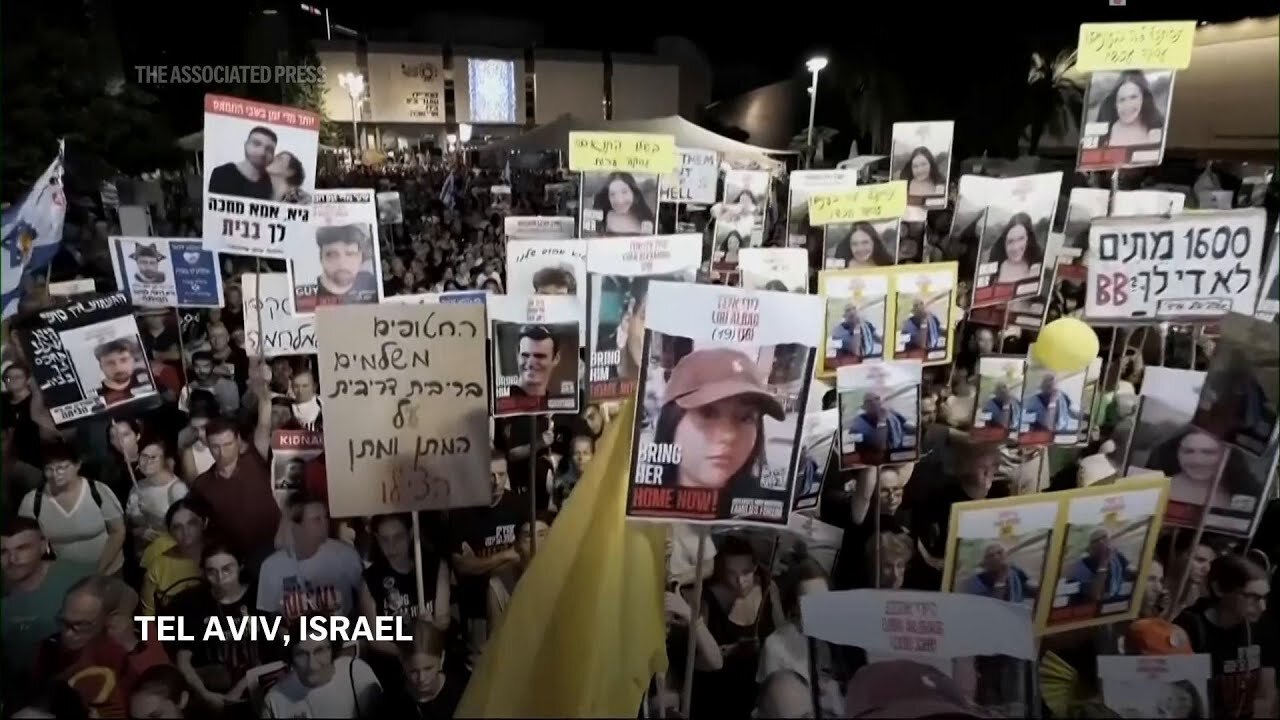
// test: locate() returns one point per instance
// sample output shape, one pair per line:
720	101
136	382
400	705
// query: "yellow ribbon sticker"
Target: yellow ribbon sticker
1137	46
867	202
630	152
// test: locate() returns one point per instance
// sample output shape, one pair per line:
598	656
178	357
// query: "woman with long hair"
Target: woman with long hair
1130	113
391	577
177	568
924	178
287	175
1191	459
862	247
1017	250
623	208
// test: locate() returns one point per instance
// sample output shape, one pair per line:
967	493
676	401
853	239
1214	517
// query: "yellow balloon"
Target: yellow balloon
1065	345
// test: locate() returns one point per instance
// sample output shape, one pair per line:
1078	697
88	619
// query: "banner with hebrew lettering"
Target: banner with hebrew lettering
166	272
1194	266
270	296
87	357
406	407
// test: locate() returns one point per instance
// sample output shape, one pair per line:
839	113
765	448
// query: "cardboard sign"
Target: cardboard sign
282	332
633	152
694	181
868	202
1146	45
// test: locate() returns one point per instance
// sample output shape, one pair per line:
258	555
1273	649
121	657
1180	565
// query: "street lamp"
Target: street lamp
354	85
814	65
464	132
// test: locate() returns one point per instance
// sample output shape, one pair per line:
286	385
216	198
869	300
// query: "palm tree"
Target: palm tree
1054	101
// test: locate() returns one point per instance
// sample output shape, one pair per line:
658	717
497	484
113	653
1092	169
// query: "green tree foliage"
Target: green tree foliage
310	96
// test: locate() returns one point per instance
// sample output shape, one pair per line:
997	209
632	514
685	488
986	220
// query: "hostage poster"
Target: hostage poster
343	265
166	272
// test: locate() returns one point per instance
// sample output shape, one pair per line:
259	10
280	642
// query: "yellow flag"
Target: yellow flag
584	631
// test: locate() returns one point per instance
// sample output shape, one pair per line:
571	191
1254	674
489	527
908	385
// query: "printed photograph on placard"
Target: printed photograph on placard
855	318
997	411
1051	406
923	314
1001	549
549	267
1269	300
535	341
1238	402
922	157
721	402
260	174
534	227
776	269
1108	543
739	218
861	244
344	266
1011	255
879	413
1083	205
618	203
166	272
1067	295
110	361
817	448
1168	686
619	272
291	450
1126	119
390	211
801	185
1092	376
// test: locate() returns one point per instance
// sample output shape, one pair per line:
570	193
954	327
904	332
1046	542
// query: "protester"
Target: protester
178	567
392	578
320	683
83	643
81	518
315	574
157	489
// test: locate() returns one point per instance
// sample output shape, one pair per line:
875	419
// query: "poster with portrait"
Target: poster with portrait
817	448
1126	119
1269	298
776	269
618	203
1092	377
1194	266
1068	289
1162	686
922	156
268	298
535	353
87	357
259	176
1242	384
803	184
924	297
861	244
695	180
879	407
721	404
500	199
390	209
856	316
537	227
1001	549
1086	204
997	410
344	264
1052	410
166	272
291	450
619	272
1014	239
549	267
1106	547
739	217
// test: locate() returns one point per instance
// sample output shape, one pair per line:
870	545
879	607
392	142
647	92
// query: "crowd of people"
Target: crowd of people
171	512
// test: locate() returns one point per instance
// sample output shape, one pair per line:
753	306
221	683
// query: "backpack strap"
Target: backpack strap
37	502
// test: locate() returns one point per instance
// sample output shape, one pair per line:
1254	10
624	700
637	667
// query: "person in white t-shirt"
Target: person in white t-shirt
320	685
316	575
82	519
157	489
787	650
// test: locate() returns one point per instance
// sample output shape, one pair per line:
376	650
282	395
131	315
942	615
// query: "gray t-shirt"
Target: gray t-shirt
81	534
352	692
323	584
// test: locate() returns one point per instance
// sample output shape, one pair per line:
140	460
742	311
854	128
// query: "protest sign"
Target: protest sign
1117	133
776	269
694	180
1085	204
135	220
291	450
817	447
1242	384
739	219
717	433
1001	548
1193	266
166	272
1163	686
811	538
343	266
879	413
618	203
1013	243
1119	46
619	273
406	408
1269	297
530	227
922	157
924	297
866	202
67	288
87	358
476	297
549	267
535	361
1107	536
390	209
856	317
997	409
1051	406
260	170
500	198
283	332
860	244
631	152
803	184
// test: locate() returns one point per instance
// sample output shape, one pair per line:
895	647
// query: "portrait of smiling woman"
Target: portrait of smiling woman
1017	250
861	245
922	158
624	206
1131	112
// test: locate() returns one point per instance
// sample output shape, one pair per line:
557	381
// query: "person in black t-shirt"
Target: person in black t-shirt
429	691
855	513
973	471
247	178
392	580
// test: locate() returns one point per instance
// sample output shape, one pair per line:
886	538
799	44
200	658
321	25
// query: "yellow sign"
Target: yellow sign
632	152
1137	46
868	202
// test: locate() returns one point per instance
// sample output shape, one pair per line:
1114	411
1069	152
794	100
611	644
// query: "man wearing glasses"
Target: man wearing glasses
82	653
82	519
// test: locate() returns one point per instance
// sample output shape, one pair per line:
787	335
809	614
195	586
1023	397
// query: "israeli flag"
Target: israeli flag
31	233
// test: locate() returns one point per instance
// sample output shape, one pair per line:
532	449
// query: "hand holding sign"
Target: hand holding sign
1147	46
868	202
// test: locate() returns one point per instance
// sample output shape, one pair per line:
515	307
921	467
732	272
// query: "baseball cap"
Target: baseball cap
906	689
1156	636
706	376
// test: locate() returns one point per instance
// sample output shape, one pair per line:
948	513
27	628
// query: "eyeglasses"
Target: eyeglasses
80	627
60	467
150	456
1253	597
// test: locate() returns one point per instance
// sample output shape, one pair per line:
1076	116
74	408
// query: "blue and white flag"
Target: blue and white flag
31	233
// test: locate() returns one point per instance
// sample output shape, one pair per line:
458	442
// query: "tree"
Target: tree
1054	100
310	96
